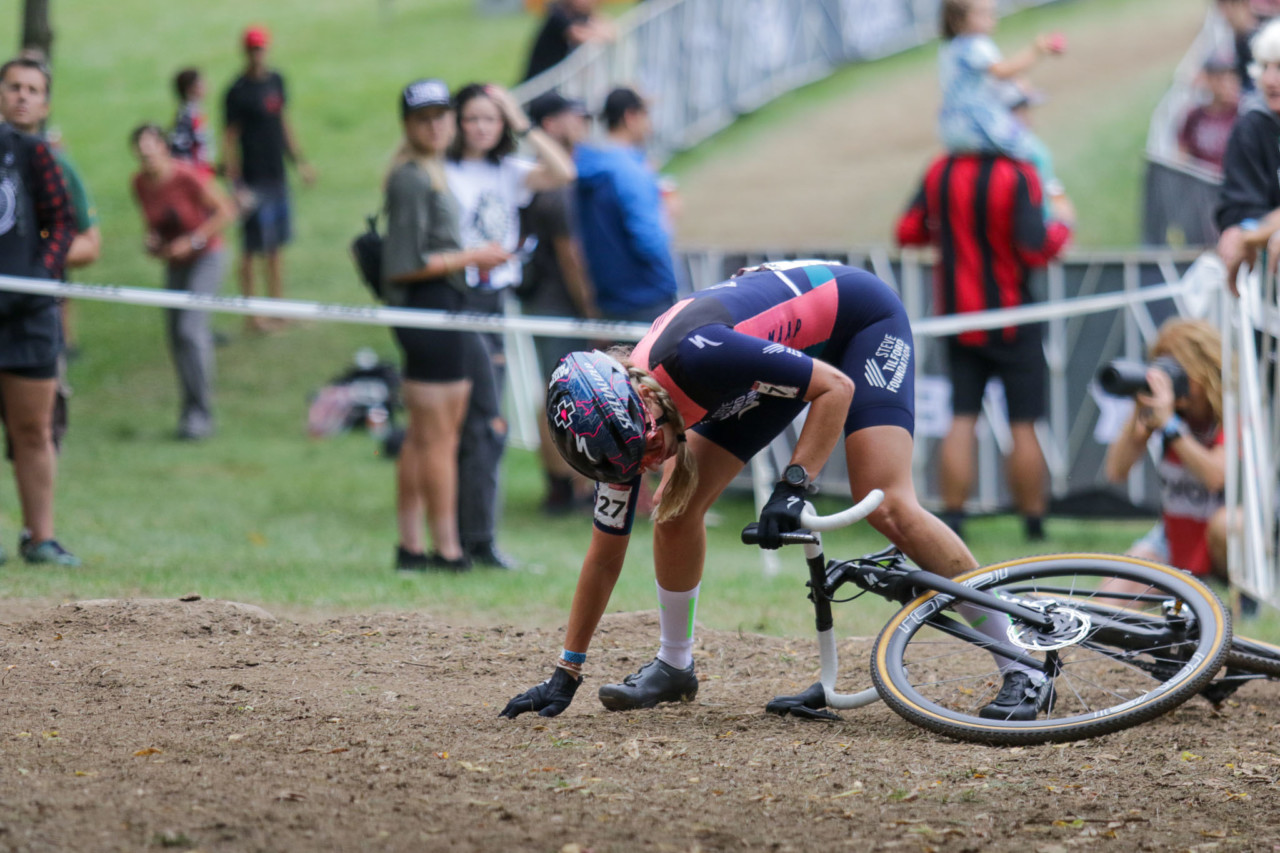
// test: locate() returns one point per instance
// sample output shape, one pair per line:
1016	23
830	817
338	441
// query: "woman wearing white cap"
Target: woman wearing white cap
422	267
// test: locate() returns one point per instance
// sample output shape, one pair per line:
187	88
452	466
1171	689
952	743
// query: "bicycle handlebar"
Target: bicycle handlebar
845	517
815	522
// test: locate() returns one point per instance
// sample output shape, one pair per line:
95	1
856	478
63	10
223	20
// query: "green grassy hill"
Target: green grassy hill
260	513
833	164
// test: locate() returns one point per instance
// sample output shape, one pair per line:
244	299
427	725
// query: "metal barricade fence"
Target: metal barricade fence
702	63
1095	307
1251	422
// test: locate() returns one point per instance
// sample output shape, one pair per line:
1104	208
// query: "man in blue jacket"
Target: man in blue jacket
621	218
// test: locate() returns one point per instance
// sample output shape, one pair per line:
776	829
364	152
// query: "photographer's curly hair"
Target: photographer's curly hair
684	479
1197	346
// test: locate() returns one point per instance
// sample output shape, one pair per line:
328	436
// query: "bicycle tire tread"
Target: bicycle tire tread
993	733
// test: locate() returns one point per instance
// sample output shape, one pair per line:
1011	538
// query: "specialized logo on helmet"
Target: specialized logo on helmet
584	449
609	396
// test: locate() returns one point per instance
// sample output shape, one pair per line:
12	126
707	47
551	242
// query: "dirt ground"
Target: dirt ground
843	172
214	726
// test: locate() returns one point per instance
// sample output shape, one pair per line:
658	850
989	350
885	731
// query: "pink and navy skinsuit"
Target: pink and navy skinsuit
737	358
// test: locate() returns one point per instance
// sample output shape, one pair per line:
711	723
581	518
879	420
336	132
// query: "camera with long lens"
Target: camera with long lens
1124	378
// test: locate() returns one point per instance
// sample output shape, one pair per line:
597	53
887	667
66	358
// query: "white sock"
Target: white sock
675	616
994	624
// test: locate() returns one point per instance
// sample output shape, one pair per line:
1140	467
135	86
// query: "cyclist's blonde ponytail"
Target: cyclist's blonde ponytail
684	479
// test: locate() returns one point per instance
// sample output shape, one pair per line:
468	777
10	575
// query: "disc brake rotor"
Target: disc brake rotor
1069	627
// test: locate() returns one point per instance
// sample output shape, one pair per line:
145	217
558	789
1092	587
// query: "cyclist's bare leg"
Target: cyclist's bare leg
427	470
680	545
880	458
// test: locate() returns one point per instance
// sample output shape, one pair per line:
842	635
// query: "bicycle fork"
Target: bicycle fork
828	656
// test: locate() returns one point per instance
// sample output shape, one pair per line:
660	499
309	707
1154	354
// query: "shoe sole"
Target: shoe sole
1048	708
618	702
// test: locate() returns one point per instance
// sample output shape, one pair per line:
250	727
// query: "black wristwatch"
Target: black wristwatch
795	475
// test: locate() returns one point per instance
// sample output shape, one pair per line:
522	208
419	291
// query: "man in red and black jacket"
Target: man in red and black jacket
37	225
984	214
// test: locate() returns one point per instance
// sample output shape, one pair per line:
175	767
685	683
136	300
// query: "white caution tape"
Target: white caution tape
937	327
370	315
376	315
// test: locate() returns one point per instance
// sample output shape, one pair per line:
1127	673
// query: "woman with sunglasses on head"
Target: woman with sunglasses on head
715	380
491	183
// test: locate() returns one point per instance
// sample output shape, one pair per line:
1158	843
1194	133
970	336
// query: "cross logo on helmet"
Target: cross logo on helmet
564	414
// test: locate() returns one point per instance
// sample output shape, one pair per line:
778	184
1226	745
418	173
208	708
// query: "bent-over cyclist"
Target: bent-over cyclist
715	380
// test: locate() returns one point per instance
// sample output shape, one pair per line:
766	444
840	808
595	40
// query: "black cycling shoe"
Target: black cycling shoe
1019	698
655	682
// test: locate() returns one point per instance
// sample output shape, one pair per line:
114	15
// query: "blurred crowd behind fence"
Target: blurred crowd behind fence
1096	305
1179	196
702	63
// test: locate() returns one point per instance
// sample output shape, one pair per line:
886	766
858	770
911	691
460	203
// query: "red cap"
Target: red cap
256	37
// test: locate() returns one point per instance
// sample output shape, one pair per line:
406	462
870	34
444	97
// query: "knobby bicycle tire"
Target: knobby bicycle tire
1254	656
1114	648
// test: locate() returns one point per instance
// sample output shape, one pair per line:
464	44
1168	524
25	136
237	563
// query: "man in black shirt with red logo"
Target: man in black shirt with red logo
984	214
257	139
37	225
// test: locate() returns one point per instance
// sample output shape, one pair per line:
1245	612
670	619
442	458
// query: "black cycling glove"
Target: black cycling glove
549	698
781	514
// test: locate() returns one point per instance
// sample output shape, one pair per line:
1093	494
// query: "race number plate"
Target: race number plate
611	505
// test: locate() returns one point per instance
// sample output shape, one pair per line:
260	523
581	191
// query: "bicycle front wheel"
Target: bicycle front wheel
1132	640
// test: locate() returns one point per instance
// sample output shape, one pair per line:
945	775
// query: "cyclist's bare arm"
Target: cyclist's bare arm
600	570
828	395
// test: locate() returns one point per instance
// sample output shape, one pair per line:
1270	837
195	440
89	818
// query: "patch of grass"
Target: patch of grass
260	513
1098	151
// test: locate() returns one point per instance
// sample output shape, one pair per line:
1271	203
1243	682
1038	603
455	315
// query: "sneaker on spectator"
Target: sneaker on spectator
412	561
487	555
48	552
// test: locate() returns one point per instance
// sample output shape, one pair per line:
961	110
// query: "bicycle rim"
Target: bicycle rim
1254	656
1152	641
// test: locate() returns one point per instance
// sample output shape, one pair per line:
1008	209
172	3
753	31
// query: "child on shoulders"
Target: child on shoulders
975	80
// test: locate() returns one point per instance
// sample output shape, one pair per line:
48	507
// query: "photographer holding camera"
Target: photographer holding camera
1178	399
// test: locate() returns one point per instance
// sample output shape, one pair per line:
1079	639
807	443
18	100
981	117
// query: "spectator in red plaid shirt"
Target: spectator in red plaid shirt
37	225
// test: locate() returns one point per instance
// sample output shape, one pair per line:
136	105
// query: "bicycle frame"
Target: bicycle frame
824	581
